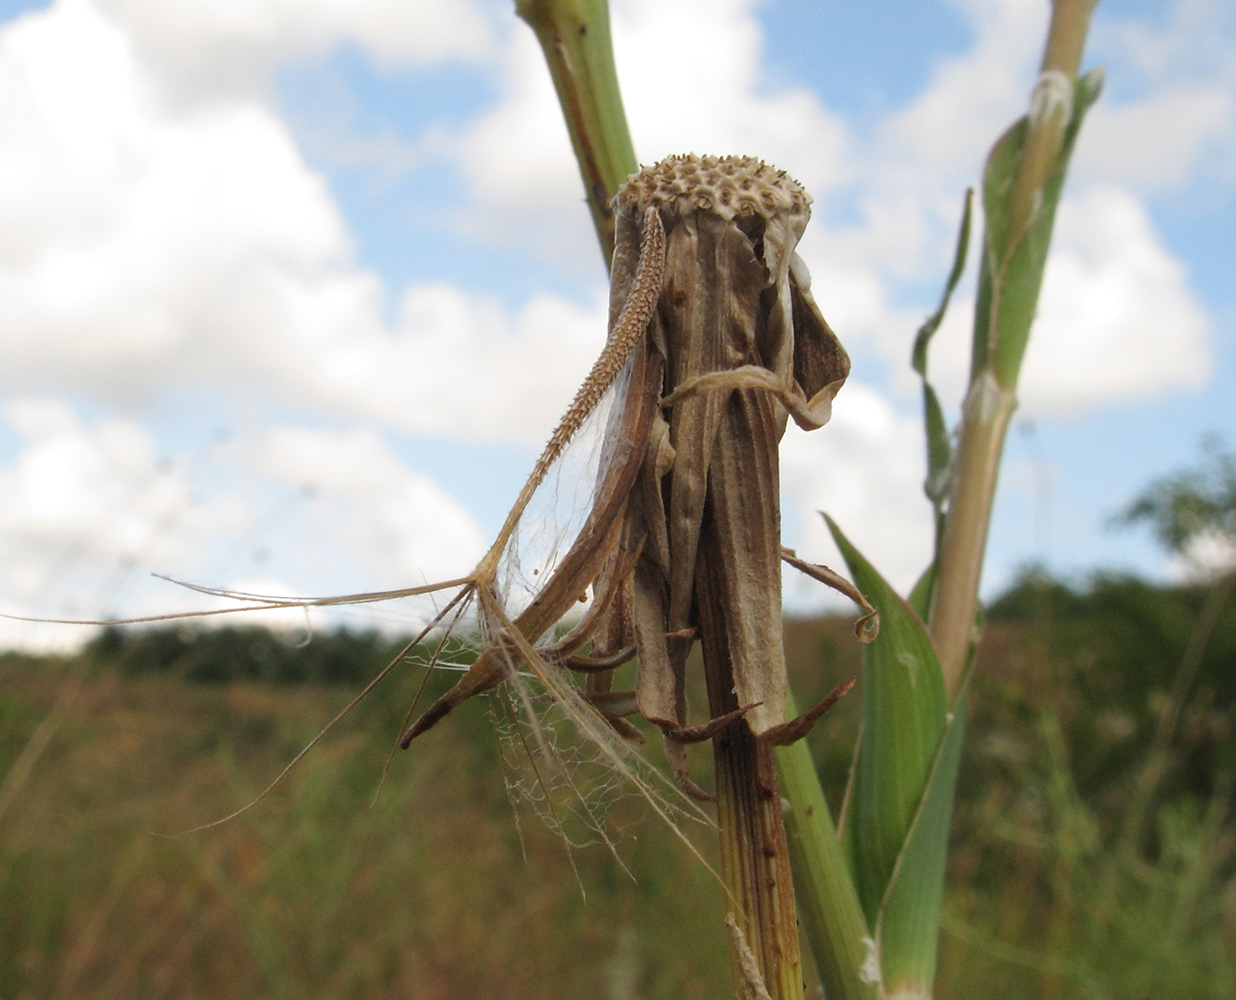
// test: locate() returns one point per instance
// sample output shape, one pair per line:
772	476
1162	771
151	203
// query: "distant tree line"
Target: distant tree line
243	653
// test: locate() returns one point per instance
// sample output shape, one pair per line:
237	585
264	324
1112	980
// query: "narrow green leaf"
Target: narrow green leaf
938	484
920	596
832	919
981	346
909	922
999	175
1013	262
939	449
918	357
904	720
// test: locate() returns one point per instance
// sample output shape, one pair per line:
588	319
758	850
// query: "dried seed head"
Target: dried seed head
728	186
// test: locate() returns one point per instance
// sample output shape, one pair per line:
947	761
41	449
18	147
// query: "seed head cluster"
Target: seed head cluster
729	186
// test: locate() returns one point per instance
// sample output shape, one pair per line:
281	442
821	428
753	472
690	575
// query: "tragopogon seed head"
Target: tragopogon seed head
728	186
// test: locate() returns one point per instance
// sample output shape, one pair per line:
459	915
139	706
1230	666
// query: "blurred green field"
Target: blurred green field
1086	862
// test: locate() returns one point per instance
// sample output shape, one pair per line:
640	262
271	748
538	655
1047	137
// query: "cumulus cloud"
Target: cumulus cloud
865	469
970	98
142	248
205	51
459	366
714	100
907	204
1160	142
89	511
137	238
1117	321
85	512
399	525
1169	121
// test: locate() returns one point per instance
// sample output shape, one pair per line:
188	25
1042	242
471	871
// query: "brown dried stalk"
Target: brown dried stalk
714	326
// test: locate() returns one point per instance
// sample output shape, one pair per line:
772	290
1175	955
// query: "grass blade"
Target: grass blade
904	721
909	922
1015	255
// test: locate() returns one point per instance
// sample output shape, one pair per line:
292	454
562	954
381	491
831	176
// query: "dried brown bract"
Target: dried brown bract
715	341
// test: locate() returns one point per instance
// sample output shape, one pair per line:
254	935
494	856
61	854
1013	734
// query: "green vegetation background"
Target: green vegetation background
1065	880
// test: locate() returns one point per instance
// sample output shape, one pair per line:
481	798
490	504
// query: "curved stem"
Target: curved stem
574	35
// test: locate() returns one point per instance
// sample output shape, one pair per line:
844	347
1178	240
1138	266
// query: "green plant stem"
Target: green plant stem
985	421
833	922
992	397
1070	20
575	37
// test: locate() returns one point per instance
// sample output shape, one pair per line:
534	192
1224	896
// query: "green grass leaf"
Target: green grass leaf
904	722
909	922
939	480
1014	258
908	757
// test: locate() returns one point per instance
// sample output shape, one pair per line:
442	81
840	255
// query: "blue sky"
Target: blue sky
293	292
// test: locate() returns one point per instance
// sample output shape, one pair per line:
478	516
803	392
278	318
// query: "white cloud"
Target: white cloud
1170	118
1160	142
138	241
912	176
926	153
143	246
1183	40
705	97
99	493
87	513
143	249
458	366
864	469
205	49
1117	321
971	98
160	228
400	526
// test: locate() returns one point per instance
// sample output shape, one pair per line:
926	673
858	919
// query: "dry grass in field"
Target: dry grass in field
314	893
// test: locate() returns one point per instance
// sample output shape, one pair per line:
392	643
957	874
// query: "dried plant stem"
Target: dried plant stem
574	36
755	860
